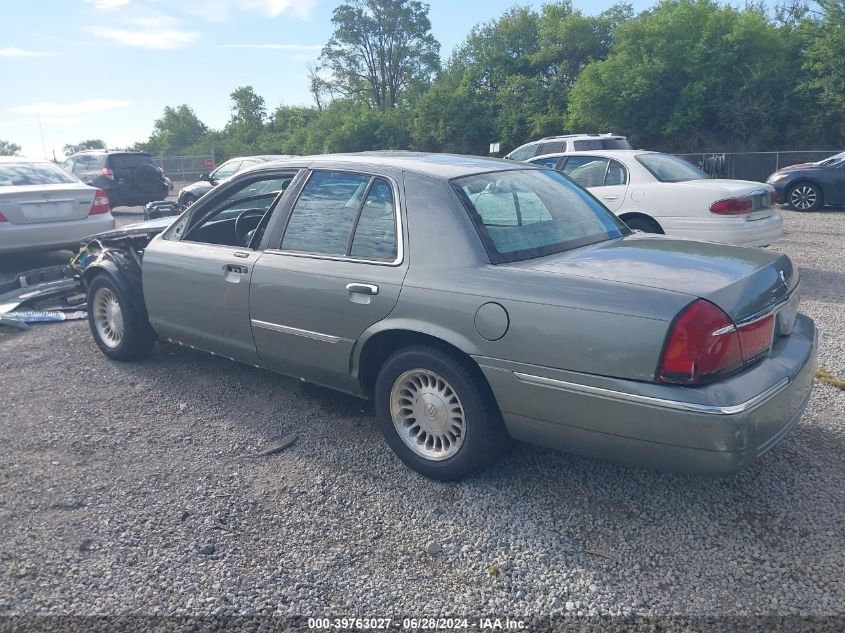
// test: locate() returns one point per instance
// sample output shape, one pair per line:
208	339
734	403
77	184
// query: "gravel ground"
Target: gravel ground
136	489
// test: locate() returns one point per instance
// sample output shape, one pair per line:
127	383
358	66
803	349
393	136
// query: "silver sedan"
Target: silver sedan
473	300
42	207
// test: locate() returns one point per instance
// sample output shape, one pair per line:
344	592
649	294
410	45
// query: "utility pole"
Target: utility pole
41	129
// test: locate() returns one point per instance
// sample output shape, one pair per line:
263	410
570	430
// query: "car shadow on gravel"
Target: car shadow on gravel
822	285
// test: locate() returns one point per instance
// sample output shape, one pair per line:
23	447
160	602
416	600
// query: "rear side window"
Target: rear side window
546	162
344	214
553	147
616	174
129	161
25	174
522	214
601	143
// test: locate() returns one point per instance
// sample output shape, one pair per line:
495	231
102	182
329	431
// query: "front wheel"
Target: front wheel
437	413
805	196
120	333
187	200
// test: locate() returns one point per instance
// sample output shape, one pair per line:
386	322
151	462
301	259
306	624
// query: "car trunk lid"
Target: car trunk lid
744	282
35	204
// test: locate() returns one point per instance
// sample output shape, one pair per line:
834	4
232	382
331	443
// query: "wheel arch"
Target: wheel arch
373	349
626	215
118	269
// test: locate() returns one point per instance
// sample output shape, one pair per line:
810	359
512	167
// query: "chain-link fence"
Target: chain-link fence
182	169
752	165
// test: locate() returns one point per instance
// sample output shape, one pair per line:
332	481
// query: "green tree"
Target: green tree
175	132
7	148
825	65
378	48
94	143
689	75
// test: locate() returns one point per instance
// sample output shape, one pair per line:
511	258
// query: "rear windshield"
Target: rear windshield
602	143
527	213
22	174
668	168
128	161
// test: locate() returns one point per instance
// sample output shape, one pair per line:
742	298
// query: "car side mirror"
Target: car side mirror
205	177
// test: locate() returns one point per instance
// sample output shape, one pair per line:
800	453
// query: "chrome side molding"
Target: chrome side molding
664	403
317	336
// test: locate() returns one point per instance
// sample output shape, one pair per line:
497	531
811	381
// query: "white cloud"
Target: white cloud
290	48
219	9
20	52
60	121
154	33
64	111
108	4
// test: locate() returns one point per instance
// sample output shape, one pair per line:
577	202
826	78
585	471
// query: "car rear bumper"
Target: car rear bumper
51	235
728	229
715	429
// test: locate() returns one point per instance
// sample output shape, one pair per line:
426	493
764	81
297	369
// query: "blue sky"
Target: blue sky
107	68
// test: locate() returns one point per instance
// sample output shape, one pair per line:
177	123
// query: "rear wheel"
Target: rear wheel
437	413
120	333
642	223
804	196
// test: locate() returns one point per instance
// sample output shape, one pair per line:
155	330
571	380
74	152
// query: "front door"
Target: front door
196	286
336	270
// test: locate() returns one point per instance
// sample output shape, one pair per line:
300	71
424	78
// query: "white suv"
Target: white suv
569	143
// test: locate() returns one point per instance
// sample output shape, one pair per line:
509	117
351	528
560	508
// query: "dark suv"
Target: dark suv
128	178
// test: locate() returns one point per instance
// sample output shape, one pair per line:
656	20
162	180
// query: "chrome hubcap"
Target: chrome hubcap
427	414
108	317
803	197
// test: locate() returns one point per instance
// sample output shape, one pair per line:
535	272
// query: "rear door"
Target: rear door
336	270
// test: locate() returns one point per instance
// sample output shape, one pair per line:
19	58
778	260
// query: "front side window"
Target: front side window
587	171
27	174
553	147
546	162
666	168
241	215
522	214
344	215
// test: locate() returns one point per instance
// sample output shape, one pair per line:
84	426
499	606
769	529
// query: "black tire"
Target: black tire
137	338
187	200
484	433
804	196
644	224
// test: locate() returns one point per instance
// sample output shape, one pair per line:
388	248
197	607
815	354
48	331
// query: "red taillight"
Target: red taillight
100	204
108	173
774	197
704	343
756	338
3	218
732	206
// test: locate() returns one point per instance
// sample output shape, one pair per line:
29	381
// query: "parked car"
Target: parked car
810	186
128	178
472	300
660	193
42	207
568	143
193	192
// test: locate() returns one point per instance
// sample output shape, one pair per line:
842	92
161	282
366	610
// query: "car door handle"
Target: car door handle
363	289
611	198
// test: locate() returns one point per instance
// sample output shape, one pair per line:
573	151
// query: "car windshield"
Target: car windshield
668	168
522	214
833	160
24	174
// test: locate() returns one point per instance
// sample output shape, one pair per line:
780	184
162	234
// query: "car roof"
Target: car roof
262	157
22	159
606	153
445	166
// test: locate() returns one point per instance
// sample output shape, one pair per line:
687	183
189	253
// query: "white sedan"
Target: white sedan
660	193
43	207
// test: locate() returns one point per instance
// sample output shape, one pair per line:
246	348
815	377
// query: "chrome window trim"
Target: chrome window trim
397	209
317	336
664	403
